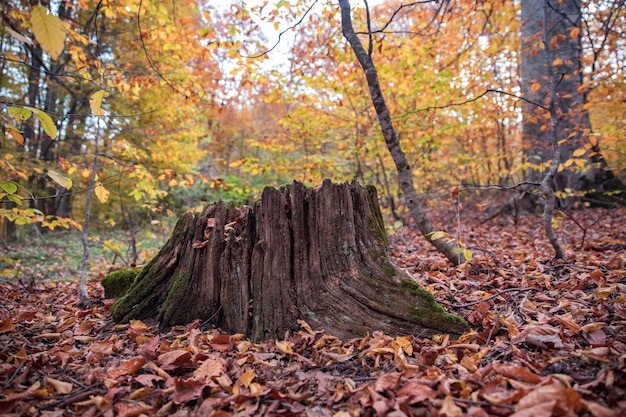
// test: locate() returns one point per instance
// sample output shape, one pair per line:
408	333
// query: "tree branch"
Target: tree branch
280	34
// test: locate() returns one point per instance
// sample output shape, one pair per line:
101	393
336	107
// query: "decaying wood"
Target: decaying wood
315	254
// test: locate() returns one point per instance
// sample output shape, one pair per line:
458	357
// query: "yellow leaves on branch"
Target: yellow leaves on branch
95	102
60	179
21	113
48	30
102	193
15	134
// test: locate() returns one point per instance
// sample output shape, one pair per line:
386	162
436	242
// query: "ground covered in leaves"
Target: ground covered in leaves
548	339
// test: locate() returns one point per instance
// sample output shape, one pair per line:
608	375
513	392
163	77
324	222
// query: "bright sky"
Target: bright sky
280	55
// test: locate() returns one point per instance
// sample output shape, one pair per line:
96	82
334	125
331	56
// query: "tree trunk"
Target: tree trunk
584	172
313	254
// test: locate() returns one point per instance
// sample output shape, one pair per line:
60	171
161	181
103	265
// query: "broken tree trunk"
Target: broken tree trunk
316	254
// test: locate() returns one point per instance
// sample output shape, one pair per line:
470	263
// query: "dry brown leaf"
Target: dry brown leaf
174	359
61	387
544	409
517	373
449	408
598	410
210	368
127	367
387	382
131	409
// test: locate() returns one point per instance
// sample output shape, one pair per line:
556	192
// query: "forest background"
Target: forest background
159	107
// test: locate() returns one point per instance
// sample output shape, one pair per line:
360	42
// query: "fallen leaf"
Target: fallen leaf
127	367
517	372
61	387
210	368
6	325
449	408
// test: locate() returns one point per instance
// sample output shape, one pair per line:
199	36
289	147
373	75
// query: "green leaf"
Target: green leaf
95	102
9	186
48	30
15	198
60	179
46	122
437	235
20	113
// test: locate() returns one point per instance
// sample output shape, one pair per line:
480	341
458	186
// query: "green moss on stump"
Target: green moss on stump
117	283
427	311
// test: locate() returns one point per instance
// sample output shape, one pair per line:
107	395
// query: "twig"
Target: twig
259	55
207	321
470	100
482	403
150	62
72	399
12	377
493	328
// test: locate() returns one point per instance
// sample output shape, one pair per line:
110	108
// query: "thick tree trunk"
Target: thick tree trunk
583	172
313	254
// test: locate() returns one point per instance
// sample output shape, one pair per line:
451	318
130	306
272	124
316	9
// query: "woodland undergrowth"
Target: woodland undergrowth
548	339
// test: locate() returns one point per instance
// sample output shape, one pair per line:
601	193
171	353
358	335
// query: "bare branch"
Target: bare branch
370	43
402	6
470	100
259	55
150	62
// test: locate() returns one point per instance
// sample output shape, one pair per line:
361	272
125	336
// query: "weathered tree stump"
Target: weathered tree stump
316	254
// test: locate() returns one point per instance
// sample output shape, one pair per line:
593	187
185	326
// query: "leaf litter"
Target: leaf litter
548	339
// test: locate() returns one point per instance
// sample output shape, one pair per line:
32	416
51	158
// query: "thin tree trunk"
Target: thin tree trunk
82	286
414	201
546	183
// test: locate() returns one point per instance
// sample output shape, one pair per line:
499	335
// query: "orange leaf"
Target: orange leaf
15	134
535	86
517	373
6	325
210	368
61	387
174	359
127	367
247	377
449	408
540	410
128	409
387	382
101	349
416	392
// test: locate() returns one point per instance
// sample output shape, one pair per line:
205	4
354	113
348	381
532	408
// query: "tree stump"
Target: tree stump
317	254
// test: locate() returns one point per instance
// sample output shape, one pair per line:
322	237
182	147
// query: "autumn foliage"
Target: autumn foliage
190	107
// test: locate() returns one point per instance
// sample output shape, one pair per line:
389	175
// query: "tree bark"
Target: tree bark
563	36
313	254
415	202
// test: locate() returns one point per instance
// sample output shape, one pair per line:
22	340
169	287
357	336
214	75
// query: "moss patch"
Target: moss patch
117	283
427	311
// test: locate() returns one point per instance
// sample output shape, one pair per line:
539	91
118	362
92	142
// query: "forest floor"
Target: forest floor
548	338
